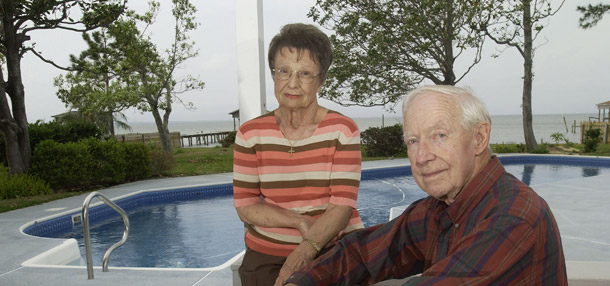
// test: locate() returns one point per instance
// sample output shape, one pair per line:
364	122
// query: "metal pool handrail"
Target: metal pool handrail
85	214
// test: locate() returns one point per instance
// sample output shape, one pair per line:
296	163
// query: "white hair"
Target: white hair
473	110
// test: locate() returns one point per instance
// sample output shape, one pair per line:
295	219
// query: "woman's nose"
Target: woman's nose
293	80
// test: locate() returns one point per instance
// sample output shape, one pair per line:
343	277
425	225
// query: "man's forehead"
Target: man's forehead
432	113
430	122
429	104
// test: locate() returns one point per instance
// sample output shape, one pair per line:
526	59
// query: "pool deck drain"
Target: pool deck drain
583	221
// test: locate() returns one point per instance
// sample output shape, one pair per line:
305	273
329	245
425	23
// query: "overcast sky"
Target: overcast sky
571	65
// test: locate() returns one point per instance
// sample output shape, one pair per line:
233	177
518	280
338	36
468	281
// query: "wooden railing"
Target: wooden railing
203	139
178	140
149	138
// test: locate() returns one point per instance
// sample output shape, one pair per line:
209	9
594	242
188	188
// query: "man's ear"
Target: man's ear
481	137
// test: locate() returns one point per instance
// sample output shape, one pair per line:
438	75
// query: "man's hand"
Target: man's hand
305	224
303	254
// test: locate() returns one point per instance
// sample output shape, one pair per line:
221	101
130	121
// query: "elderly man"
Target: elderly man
478	226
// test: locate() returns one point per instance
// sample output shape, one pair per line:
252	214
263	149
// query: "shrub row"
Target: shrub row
383	142
229	140
592	139
63	132
90	162
508	148
21	185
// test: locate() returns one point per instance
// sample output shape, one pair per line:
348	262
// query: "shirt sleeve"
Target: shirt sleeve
385	251
246	181
346	168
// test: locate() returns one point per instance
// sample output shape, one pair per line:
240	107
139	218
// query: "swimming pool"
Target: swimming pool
190	241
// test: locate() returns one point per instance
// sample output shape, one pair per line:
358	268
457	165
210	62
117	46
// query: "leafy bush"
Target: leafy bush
508	148
229	140
542	149
502	148
138	161
62	132
592	138
91	162
603	150
64	166
161	161
383	142
108	161
558	136
21	185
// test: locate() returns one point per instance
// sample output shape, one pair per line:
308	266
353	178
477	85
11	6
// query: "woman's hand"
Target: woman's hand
303	254
323	231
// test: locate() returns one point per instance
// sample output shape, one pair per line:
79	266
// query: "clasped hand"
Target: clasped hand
302	255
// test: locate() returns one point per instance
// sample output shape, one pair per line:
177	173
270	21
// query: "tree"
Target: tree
517	24
591	15
383	49
92	88
19	18
122	68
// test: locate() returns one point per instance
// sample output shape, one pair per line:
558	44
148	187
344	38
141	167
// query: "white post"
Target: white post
250	59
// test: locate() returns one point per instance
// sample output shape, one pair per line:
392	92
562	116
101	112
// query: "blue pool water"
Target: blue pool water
187	233
196	233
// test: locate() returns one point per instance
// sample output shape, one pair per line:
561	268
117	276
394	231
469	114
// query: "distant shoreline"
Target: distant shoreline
368	117
505	128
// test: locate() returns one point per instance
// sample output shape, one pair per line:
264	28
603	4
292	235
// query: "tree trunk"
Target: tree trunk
449	74
14	128
528	130
10	130
164	136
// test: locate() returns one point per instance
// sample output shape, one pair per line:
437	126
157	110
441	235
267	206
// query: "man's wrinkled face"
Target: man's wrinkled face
442	152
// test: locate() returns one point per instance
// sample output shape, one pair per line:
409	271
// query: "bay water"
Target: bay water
504	128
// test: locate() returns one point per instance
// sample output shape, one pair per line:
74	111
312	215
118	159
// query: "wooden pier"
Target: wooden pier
203	139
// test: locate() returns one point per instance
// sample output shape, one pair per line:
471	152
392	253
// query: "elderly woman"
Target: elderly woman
297	168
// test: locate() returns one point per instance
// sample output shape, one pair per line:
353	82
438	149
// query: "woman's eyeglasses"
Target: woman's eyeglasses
304	77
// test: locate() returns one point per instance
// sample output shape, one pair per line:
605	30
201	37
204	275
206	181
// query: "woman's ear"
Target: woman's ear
481	136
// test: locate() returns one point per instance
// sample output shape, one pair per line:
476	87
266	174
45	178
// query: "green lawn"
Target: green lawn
201	161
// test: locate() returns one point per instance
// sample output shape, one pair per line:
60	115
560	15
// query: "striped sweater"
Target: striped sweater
323	169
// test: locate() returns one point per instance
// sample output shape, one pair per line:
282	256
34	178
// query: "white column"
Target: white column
251	65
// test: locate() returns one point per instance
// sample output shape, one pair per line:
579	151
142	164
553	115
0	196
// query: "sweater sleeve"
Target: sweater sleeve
346	168
246	182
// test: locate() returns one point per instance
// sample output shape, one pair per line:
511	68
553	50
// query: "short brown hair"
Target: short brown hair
303	37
